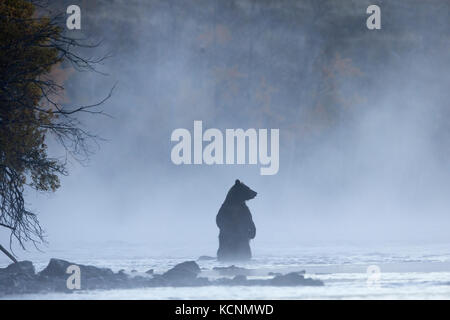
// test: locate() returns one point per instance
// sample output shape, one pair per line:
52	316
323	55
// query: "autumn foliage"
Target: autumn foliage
32	45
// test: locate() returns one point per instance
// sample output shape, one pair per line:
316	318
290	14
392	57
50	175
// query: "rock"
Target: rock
206	258
21	267
300	272
202	281
322	273
233	271
20	278
159	281
58	268
150	271
290	279
182	274
184	269
54	277
239	280
294	279
95	272
235	281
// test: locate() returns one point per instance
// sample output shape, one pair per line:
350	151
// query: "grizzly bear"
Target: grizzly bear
236	224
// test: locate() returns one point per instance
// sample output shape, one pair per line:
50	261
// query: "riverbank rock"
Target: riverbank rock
150	271
58	268
233	271
183	274
294	279
55	276
18	277
21	278
21	267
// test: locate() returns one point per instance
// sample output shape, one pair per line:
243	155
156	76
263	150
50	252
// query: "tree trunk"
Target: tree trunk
8	254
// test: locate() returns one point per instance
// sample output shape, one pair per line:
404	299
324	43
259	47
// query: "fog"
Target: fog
363	116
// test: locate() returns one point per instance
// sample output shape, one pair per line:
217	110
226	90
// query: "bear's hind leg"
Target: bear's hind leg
226	248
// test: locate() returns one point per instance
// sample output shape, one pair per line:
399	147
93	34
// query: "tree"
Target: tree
32	45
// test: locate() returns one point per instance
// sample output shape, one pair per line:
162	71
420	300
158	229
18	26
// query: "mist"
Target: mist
363	117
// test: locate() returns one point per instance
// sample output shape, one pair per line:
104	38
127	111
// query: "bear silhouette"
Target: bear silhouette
236	224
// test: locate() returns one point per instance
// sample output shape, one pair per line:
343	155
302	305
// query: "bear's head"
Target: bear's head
239	193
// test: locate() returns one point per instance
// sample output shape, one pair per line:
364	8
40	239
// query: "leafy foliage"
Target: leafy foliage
32	45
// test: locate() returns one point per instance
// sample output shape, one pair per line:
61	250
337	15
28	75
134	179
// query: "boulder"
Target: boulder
182	274
18	278
54	277
239	280
184	269
21	267
233	271
58	268
294	279
300	272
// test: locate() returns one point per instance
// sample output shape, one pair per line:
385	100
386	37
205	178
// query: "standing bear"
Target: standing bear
236	224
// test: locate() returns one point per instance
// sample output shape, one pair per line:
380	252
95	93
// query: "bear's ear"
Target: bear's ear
237	182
